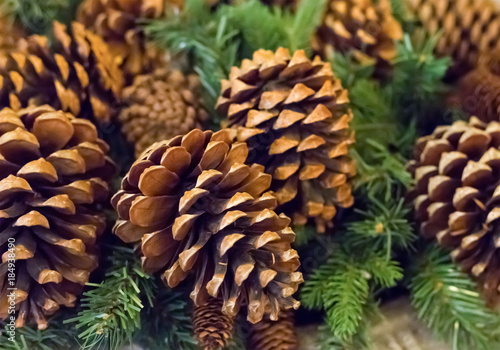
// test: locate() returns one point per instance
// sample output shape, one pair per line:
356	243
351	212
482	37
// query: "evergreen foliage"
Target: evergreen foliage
111	310
448	302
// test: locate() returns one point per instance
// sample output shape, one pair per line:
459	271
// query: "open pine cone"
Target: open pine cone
457	195
294	115
10	34
212	328
466	28
196	207
366	29
53	169
77	74
160	106
116	21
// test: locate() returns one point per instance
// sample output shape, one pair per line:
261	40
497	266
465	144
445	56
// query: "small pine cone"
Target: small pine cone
77	74
194	206
466	28
275	335
366	29
117	22
53	169
160	106
212	328
479	90
456	195
294	115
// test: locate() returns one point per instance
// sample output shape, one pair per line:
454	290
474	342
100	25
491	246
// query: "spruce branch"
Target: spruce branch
166	323
447	301
56	336
111	310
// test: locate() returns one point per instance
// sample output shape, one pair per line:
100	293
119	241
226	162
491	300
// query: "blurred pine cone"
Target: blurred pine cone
212	328
116	21
10	34
362	27
456	195
77	74
194	206
479	90
294	114
466	28
274	335
161	105
53	169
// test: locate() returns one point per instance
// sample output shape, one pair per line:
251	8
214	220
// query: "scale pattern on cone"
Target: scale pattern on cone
457	196
212	328
367	29
275	335
10	34
466	28
294	114
160	106
53	169
195	206
479	90
116	21
77	74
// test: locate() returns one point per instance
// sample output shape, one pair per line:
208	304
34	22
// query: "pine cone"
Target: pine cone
212	328
52	172
456	195
466	28
367	29
78	74
294	115
10	34
479	90
116	21
195	206
275	335
160	106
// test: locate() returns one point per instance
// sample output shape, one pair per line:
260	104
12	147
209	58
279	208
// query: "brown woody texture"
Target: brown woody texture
212	328
193	205
274	335
457	194
294	115
160	106
365	28
478	91
10	34
76	74
53	169
117	22
467	28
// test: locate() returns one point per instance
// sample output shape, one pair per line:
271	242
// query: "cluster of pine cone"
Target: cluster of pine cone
213	210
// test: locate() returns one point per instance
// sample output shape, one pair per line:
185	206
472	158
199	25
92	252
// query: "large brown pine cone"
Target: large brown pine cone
274	335
466	28
294	115
457	195
212	328
116	21
196	207
76	74
52	181
365	28
160	106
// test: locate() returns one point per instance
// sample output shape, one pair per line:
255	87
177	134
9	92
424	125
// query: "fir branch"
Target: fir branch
56	336
350	70
37	16
307	18
383	225
111	310
304	235
166	324
447	301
